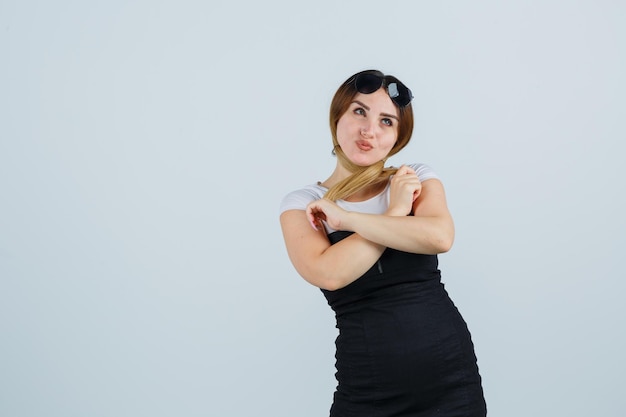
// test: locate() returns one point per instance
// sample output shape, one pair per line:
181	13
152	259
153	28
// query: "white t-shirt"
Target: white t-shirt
299	199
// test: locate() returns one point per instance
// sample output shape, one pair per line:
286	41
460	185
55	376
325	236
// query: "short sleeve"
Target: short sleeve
424	172
299	199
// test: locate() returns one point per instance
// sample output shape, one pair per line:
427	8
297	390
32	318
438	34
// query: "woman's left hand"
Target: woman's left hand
328	211
405	189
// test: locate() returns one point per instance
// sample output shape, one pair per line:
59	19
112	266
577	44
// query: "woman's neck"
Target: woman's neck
340	173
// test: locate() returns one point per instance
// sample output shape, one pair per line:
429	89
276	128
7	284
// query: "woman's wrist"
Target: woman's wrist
394	212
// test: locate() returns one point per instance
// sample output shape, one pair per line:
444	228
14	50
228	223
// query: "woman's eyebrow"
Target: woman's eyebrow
368	109
361	104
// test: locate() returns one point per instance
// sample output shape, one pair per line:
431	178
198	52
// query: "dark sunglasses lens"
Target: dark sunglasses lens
399	93
368	83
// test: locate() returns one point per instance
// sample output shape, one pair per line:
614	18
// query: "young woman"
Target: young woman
368	237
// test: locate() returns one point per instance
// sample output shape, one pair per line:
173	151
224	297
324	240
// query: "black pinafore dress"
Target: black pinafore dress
403	349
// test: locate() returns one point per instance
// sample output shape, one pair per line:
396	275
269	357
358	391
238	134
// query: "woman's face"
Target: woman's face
369	128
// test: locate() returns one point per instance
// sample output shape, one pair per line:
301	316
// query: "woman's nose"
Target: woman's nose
367	130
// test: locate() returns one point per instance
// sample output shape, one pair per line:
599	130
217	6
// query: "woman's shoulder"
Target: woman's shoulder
299	199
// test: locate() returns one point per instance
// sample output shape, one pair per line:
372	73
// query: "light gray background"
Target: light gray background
145	146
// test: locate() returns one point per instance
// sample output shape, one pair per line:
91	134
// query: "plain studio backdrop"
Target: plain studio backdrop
145	147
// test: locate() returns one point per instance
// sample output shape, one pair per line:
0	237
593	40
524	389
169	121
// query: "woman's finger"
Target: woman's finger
403	170
311	216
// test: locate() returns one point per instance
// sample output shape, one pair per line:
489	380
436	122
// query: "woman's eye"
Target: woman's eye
387	122
360	111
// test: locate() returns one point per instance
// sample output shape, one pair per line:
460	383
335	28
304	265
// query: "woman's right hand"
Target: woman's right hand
328	211
405	188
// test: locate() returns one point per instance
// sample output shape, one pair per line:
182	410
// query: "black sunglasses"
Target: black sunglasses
369	82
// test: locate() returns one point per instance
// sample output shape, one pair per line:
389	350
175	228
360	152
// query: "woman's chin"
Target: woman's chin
363	162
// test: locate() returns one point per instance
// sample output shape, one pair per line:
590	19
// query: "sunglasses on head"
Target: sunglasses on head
369	82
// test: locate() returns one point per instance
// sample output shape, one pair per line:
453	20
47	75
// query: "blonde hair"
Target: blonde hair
363	176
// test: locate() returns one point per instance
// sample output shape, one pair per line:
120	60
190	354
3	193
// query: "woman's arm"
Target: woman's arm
326	266
430	230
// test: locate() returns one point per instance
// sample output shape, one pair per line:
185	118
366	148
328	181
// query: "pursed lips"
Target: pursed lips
363	145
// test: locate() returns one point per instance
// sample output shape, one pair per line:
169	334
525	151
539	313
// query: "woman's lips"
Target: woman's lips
364	145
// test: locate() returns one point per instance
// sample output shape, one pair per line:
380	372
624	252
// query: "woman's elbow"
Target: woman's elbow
444	245
446	241
445	237
442	242
330	286
324	284
321	280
